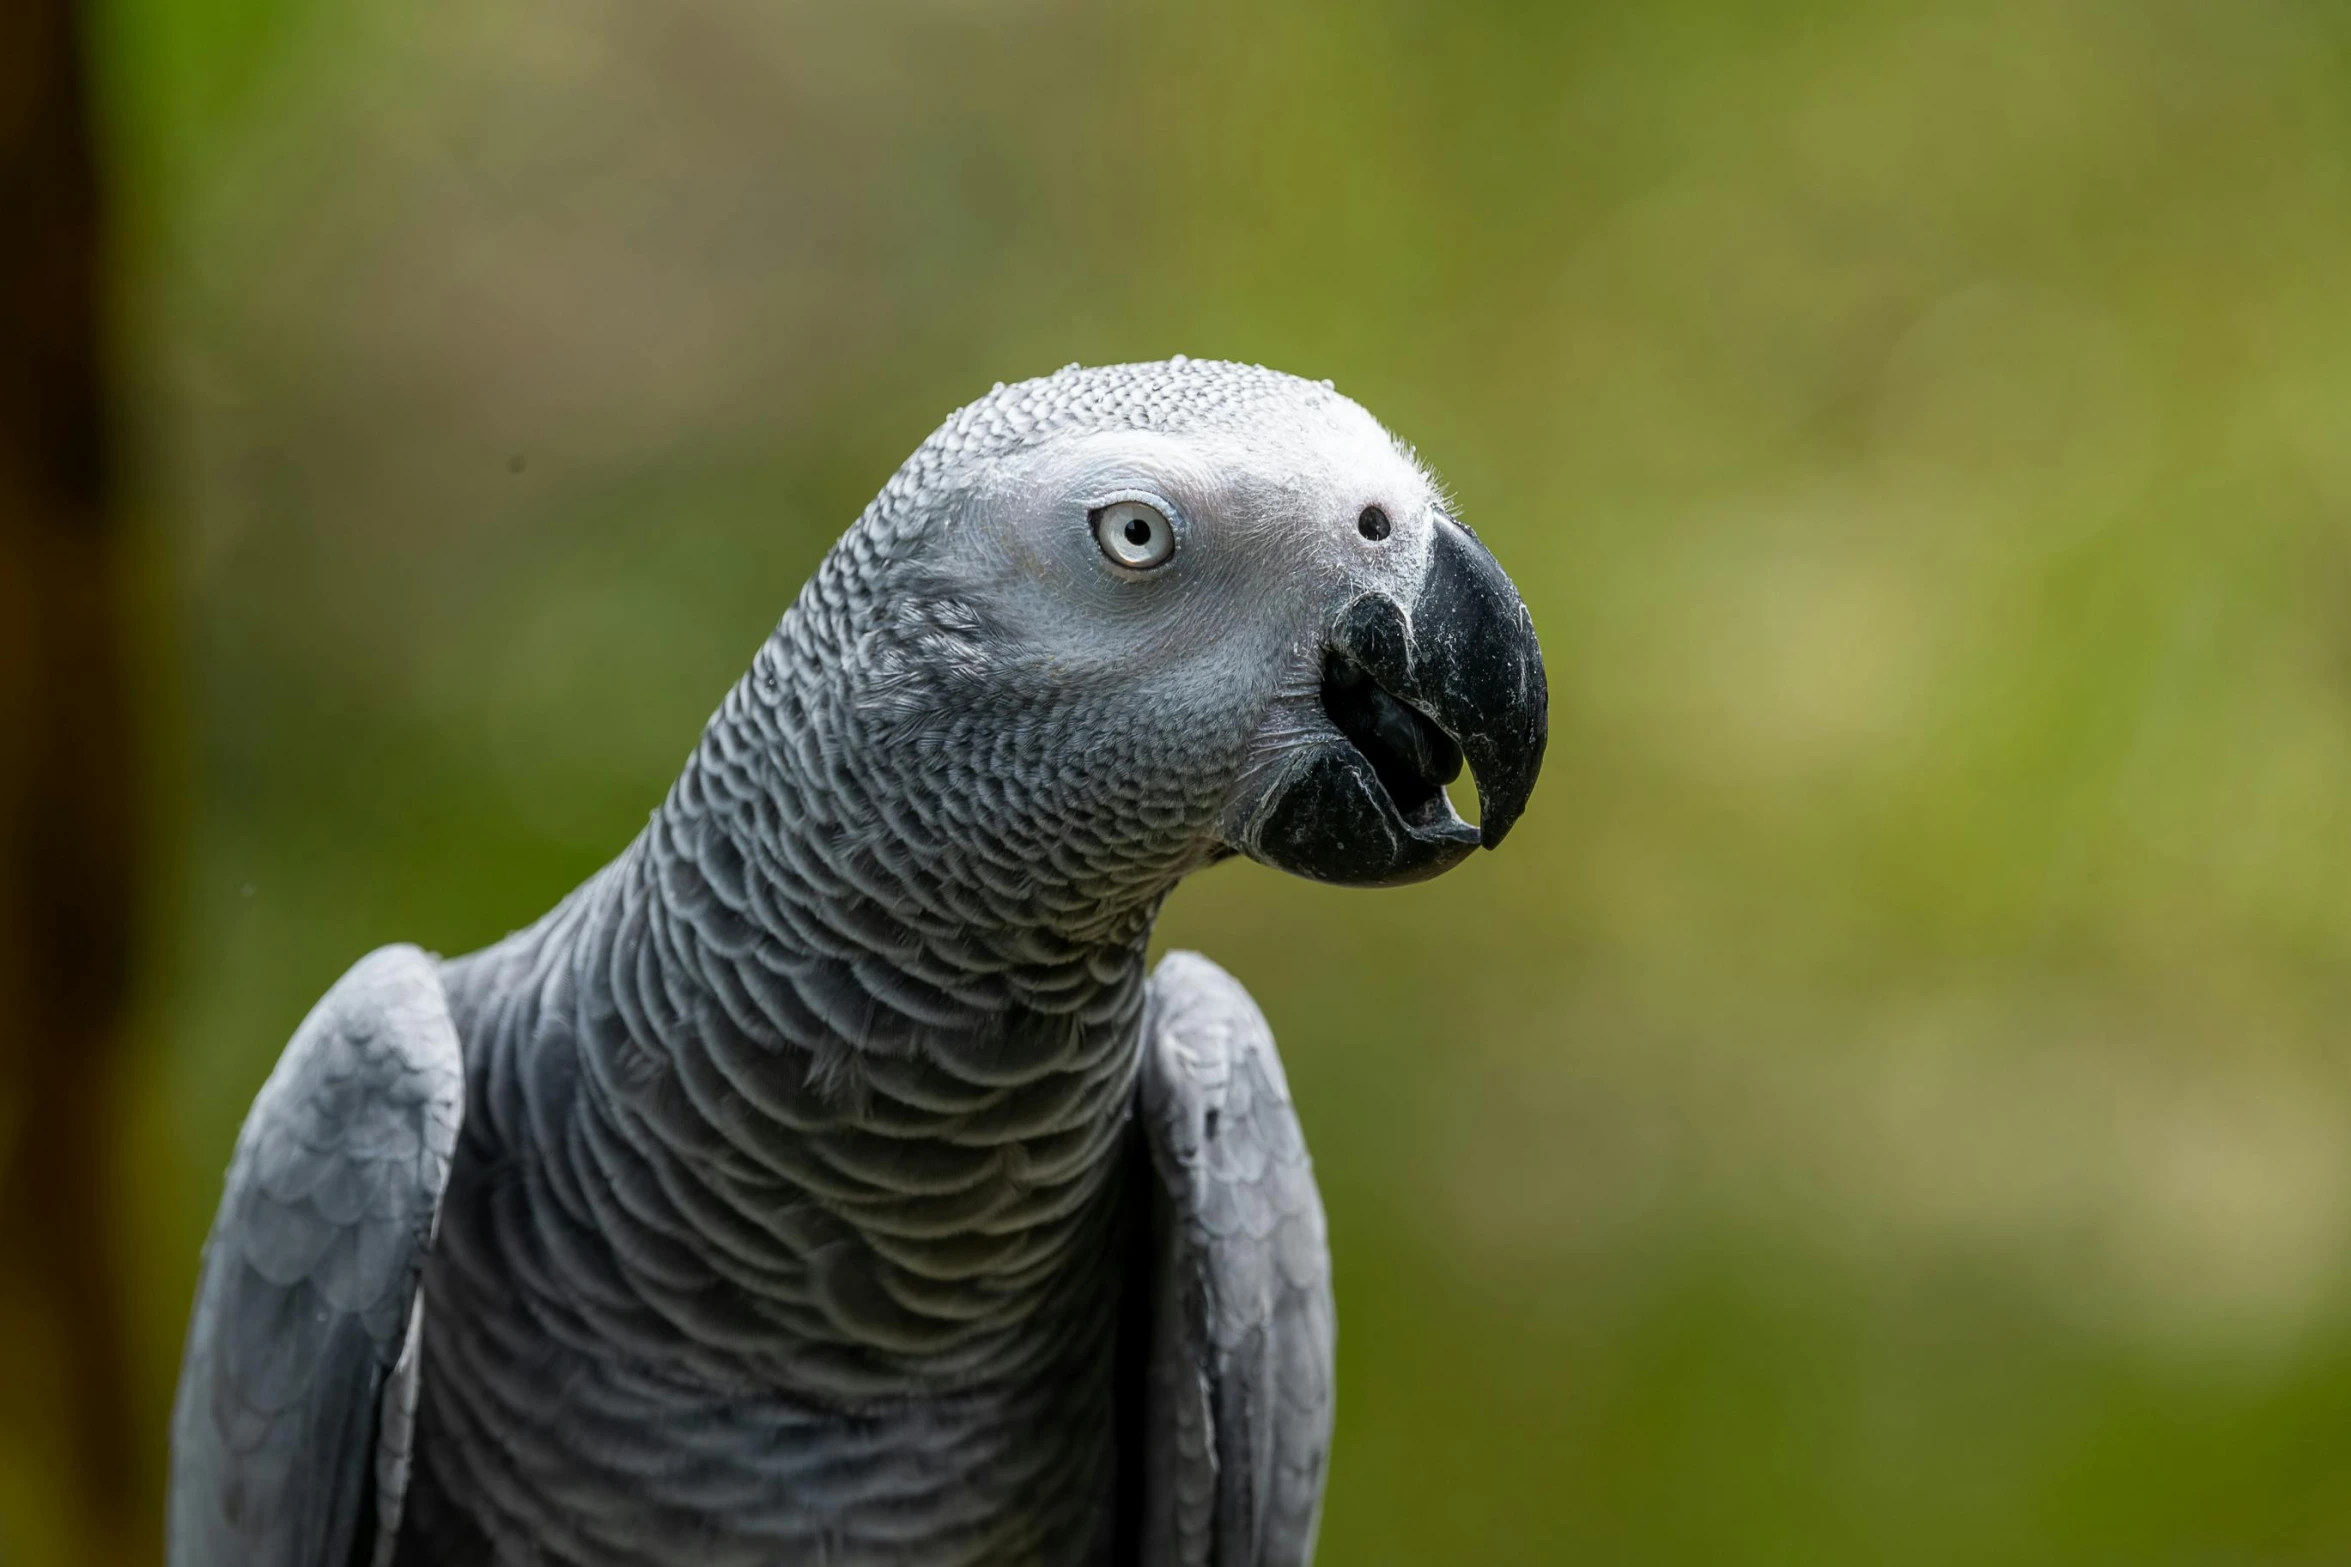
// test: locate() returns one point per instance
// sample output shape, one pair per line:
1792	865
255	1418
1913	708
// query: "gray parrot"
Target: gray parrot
825	1180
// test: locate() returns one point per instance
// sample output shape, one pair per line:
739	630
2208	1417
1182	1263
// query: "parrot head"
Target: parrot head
1192	609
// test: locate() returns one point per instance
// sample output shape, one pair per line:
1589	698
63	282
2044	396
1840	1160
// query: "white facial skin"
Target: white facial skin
1268	552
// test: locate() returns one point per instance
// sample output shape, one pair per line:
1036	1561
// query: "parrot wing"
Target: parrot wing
290	1436
1238	1378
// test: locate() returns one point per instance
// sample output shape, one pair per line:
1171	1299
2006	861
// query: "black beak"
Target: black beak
1411	696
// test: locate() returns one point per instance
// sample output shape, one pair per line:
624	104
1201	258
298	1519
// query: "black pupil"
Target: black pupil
1373	524
1138	531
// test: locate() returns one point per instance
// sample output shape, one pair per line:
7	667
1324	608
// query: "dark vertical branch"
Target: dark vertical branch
67	805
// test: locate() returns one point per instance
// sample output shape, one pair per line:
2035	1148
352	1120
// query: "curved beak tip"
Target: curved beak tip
1460	673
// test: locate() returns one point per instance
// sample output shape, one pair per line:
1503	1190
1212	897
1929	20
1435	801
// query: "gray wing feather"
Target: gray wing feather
1240	1382
307	1297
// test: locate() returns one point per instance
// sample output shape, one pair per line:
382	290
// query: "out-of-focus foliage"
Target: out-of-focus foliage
1889	1100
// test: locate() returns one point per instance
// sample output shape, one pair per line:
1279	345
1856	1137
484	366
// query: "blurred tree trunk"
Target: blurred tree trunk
67	802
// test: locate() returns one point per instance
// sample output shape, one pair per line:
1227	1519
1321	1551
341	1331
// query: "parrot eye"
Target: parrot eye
1134	535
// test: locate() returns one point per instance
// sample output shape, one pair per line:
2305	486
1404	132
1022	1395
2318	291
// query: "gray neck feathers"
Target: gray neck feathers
826	1075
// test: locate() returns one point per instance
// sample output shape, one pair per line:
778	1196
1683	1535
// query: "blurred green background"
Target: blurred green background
1888	1103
